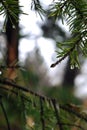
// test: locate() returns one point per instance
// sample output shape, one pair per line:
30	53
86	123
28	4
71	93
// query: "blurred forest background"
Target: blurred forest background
34	72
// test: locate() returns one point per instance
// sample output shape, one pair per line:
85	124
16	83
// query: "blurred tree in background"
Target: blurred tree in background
52	29
23	104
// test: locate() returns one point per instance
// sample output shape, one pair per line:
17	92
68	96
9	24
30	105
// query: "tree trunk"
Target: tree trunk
69	75
12	31
12	42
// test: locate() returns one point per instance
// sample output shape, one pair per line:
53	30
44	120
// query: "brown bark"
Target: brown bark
12	31
12	42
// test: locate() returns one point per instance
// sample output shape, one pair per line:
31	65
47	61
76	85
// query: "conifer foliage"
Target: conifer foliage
75	14
36	111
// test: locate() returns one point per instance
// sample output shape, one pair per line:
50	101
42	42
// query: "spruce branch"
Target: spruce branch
64	107
36	5
11	10
62	58
42	98
75	14
69	52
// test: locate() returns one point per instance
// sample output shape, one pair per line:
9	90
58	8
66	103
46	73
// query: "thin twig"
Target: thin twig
68	52
16	93
69	110
42	114
62	58
22	88
68	124
5	114
57	115
24	111
11	66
